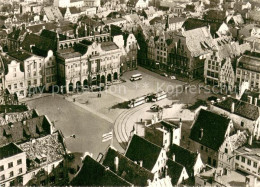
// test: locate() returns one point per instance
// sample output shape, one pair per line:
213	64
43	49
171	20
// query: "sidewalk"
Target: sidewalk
36	96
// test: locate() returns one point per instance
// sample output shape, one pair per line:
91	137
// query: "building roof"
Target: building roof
52	35
249	62
9	150
20	55
199	41
23	131
253	94
214	129
174	171
242	108
176	20
194	23
136	152
253	149
154	135
93	173
216	15
41	45
127	169
183	156
109	46
49	147
109	21
53	13
38	27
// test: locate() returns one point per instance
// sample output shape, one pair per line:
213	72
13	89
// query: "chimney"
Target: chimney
24	122
173	157
43	27
166	171
233	107
201	133
250	99
250	140
141	163
256	101
116	162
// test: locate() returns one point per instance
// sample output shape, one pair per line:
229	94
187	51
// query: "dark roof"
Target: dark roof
41	44
183	156
93	173
108	46
249	62
216	15
140	149
242	108
157	20
24	131
253	94
9	150
174	171
193	23
127	169
214	128
13	108
39	27
90	22
115	30
52	35
19	55
154	135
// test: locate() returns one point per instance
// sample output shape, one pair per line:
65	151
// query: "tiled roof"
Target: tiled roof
193	23
93	173
49	147
9	150
136	152
23	131
53	13
176	20
183	156
199	41
20	55
249	63
127	169
242	108
109	46
37	28
214	129
174	171
154	135
253	94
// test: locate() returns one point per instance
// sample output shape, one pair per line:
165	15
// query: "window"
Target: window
15	86
2	168
201	147
35	81
29	83
206	149
21	84
34	65
249	162
20	170
237	157
11	174
19	161
243	159
34	73
14	74
2	177
226	150
9	87
242	124
10	165
40	65
255	165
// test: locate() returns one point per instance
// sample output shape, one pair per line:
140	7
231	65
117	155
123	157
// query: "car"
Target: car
164	74
173	77
168	106
155	107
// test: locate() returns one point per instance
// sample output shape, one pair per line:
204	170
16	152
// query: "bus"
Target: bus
137	101
136	77
158	96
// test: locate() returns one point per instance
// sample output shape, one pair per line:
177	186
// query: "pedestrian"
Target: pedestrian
100	94
74	99
141	120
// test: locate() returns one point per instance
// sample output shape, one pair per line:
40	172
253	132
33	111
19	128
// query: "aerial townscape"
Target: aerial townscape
154	93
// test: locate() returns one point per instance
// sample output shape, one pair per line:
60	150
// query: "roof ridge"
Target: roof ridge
185	149
176	163
149	141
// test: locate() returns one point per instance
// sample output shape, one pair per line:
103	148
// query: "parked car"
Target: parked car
155	107
164	74
173	77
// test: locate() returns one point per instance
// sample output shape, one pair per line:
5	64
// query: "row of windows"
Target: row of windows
249	162
253	75
11	174
10	164
15	86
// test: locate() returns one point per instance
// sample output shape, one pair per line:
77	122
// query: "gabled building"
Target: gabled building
137	4
245	116
176	171
208	134
152	158
189	51
190	160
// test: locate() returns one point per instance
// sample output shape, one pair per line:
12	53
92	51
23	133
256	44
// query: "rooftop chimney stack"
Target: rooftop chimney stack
141	163
201	133
173	157
256	101
116	163
233	107
250	140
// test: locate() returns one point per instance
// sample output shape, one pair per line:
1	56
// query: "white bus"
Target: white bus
136	77
137	101
158	96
